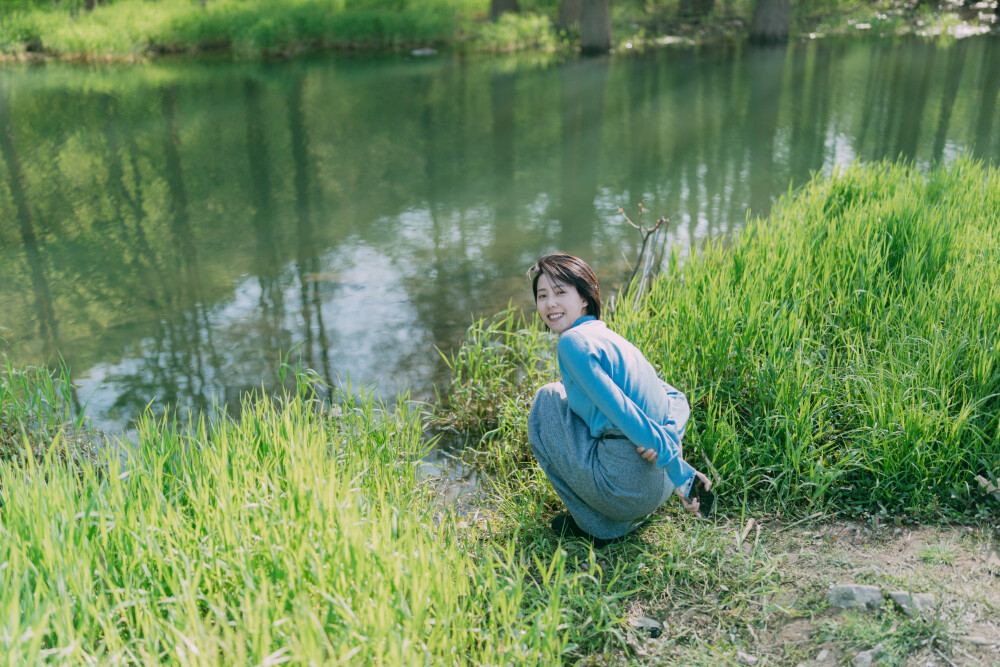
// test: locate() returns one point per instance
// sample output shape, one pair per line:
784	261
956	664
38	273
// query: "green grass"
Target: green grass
301	533
137	29
938	554
841	355
38	417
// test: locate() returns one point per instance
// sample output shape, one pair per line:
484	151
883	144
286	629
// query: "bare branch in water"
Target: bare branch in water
652	249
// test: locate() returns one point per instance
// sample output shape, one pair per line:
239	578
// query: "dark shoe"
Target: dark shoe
564	526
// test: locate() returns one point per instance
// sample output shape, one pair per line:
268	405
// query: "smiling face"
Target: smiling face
559	304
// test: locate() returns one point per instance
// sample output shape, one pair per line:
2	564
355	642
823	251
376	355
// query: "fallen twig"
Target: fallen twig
800	521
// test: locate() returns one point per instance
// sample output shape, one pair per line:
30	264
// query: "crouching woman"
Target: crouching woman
609	435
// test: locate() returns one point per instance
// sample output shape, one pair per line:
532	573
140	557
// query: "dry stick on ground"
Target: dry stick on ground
815	515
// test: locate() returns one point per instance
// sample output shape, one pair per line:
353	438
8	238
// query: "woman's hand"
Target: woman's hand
648	454
694	506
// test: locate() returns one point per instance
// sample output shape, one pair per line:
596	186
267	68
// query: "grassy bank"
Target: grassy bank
138	29
298	534
842	356
839	356
38	416
301	535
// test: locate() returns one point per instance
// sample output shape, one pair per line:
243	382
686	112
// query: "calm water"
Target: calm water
175	230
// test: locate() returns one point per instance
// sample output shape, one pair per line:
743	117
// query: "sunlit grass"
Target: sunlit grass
299	532
841	355
282	534
514	32
137	28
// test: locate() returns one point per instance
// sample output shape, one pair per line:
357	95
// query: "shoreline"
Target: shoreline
474	39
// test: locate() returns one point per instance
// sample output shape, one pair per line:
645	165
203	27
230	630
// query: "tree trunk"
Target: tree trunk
500	7
771	21
569	14
595	26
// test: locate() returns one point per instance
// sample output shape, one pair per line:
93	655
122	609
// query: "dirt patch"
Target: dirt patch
793	624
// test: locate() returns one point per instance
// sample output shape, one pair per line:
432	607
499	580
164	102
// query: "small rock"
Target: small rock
746	658
904	601
866	658
822	655
848	596
654	627
863	659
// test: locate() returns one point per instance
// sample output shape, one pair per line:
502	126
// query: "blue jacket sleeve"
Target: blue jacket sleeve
582	365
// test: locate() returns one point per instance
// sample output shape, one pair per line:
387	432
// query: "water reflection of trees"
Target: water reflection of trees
153	212
949	93
44	311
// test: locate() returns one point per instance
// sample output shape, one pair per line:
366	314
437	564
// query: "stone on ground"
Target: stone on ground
866	658
849	596
905	602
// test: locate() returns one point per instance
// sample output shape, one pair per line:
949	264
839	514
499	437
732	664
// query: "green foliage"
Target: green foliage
37	416
502	362
284	534
299	532
128	29
843	353
282	25
845	350
513	32
131	28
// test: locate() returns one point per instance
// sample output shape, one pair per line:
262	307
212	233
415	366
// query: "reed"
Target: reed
840	355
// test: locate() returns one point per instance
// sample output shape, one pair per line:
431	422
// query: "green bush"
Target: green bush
132	28
513	32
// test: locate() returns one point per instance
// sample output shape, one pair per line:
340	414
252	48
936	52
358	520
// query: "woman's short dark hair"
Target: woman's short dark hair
569	270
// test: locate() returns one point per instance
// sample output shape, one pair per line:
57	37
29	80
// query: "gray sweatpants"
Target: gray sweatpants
604	482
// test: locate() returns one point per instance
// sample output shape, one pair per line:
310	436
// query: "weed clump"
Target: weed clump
38	419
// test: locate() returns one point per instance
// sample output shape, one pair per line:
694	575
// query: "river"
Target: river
174	231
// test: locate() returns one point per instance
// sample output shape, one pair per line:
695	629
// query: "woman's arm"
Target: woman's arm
580	363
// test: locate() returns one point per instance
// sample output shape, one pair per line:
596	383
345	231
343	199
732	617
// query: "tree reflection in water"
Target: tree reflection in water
175	230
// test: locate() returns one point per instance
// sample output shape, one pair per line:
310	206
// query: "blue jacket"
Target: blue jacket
612	387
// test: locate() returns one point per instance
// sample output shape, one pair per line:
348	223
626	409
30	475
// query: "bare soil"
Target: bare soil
793	624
